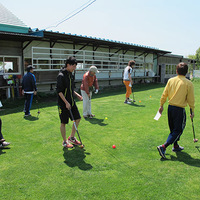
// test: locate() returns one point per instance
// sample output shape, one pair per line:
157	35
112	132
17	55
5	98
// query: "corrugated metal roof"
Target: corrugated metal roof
94	40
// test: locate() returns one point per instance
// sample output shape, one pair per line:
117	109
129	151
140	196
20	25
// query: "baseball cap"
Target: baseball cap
29	67
93	69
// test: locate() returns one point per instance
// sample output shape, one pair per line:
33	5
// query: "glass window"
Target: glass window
9	64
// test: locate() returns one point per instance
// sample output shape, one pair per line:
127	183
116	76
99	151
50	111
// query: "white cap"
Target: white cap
93	69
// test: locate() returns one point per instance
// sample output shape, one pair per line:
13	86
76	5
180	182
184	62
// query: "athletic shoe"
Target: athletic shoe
85	116
26	115
161	151
127	102
5	143
2	140
91	116
74	141
179	148
130	100
67	145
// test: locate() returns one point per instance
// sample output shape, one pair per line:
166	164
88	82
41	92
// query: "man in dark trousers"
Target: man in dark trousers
180	92
66	102
29	89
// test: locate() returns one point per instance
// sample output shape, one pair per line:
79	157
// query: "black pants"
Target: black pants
176	121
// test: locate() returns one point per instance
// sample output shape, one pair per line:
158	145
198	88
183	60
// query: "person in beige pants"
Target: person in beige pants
89	81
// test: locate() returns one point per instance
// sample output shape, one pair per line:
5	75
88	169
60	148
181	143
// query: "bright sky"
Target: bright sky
171	25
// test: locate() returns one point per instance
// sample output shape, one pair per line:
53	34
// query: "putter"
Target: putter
82	146
133	95
37	105
195	140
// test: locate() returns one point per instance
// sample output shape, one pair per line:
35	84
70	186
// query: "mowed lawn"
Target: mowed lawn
36	166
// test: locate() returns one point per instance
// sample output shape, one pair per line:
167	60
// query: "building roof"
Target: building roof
18	36
12	28
98	42
11	23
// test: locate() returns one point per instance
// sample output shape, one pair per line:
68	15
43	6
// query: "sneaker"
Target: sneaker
130	100
178	148
74	141
67	145
127	102
161	151
5	143
26	115
2	140
91	116
85	116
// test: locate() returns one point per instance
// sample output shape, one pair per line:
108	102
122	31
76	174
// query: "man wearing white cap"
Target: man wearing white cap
89	81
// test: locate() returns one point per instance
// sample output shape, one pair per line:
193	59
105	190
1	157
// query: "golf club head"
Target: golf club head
195	140
82	146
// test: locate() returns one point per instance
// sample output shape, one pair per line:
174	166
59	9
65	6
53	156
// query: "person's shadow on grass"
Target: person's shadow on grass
3	148
75	157
136	105
185	158
94	120
31	118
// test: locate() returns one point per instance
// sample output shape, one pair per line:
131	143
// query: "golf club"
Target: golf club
37	105
195	140
133	95
82	146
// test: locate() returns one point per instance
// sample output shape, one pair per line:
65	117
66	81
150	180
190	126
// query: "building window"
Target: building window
9	64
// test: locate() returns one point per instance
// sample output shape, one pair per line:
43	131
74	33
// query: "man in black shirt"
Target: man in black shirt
66	102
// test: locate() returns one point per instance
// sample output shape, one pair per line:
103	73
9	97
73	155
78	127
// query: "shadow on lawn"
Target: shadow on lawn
94	120
136	105
185	158
1	150
75	157
31	118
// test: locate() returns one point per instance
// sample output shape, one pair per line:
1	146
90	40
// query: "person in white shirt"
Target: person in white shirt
127	80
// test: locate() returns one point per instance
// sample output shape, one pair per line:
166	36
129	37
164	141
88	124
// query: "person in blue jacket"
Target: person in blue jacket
29	89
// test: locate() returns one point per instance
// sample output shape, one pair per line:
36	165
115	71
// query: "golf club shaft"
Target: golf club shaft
37	103
192	123
133	94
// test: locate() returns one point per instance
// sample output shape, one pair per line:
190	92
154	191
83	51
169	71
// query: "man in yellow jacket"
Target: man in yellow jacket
180	92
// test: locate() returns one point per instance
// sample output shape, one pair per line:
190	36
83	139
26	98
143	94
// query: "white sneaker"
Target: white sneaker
127	102
130	100
5	144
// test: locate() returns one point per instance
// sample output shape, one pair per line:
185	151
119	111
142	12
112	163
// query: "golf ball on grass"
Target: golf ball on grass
139	101
106	118
113	146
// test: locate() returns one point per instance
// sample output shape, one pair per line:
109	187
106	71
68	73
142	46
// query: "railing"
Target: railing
54	58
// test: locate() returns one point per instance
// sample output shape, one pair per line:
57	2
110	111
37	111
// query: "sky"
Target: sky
172	25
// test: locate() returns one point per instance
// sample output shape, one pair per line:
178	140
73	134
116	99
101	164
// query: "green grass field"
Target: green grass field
35	166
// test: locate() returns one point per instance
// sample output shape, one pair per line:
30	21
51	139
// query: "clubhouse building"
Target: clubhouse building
48	50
